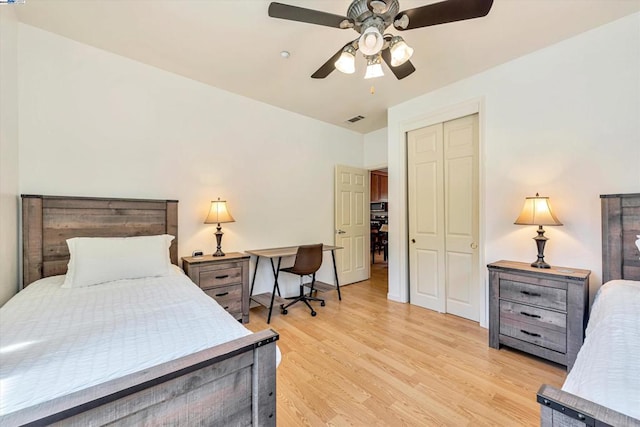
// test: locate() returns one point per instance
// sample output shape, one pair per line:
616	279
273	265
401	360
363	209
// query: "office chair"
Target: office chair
308	261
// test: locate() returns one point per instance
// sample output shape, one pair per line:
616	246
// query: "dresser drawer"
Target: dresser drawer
229	297
542	296
533	316
543	337
211	278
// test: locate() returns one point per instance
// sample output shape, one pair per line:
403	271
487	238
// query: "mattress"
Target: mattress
55	341
607	369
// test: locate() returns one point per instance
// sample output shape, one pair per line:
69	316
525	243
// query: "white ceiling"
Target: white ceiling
233	45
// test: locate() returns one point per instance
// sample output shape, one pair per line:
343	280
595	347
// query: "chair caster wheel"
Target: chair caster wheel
321	303
284	311
313	314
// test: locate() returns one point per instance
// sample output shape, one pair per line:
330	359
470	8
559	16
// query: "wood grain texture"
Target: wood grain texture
48	221
556	295
224	278
216	386
620	214
369	361
620	226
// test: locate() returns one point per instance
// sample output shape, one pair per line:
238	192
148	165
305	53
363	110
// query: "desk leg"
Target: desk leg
253	281
275	286
335	272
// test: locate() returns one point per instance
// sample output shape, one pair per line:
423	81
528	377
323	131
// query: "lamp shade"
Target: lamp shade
218	213
537	211
347	61
400	51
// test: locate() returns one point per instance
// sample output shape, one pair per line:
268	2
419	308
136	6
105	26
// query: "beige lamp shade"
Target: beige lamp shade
219	213
537	211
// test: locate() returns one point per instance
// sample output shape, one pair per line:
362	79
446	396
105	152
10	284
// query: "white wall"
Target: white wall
96	124
564	122
8	153
375	149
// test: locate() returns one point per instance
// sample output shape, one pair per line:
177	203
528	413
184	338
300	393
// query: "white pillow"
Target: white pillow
97	260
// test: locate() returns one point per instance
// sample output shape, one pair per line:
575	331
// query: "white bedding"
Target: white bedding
607	369
54	341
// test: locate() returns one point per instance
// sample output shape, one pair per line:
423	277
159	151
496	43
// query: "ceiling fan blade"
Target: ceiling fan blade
310	16
441	13
401	71
328	66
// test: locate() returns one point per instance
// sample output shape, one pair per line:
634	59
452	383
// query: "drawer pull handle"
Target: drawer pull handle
531	294
535	316
226	307
222	277
222	294
532	334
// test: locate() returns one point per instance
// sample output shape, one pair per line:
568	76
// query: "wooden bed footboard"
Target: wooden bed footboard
561	409
231	384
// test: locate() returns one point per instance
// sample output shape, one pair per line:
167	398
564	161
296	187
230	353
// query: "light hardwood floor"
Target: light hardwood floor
367	361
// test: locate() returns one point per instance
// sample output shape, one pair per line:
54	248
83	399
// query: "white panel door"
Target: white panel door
352	220
426	220
461	217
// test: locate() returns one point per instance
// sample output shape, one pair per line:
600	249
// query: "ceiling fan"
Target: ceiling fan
371	18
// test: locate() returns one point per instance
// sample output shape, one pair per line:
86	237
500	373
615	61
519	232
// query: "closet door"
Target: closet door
461	217
426	217
442	167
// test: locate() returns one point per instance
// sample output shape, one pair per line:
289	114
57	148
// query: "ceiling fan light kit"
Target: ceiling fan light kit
374	67
370	18
347	61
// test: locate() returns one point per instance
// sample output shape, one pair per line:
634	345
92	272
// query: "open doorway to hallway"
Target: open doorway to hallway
379	226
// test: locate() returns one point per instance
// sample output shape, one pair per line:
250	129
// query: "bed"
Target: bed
603	387
164	367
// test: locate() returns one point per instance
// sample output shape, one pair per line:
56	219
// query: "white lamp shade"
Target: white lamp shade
218	213
346	63
537	211
400	53
374	70
370	42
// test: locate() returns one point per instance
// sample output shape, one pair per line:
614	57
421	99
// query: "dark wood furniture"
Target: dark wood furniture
230	384
620	260
379	186
223	278
267	299
540	311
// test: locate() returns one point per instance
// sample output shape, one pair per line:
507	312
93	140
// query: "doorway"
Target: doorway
379	238
443	216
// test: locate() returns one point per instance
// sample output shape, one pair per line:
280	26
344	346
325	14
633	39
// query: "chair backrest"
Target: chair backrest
308	259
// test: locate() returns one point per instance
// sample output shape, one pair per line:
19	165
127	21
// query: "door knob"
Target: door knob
474	245
413	240
340	231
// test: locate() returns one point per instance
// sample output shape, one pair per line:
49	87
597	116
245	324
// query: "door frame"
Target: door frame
398	215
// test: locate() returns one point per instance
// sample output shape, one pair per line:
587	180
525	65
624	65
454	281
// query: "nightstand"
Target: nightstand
540	311
225	279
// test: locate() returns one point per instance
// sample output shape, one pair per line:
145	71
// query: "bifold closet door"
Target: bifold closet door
442	167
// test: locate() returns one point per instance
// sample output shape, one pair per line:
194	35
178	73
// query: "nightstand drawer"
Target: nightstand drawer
220	277
533	316
543	337
229	297
542	296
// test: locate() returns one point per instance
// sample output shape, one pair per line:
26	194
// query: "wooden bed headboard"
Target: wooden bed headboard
620	226
48	221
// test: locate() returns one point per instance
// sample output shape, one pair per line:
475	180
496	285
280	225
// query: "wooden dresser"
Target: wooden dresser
225	279
539	311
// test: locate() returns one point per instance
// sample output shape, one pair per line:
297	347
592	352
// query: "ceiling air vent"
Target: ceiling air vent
355	119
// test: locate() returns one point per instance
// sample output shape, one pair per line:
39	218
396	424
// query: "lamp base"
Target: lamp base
540	264
218	234
540	242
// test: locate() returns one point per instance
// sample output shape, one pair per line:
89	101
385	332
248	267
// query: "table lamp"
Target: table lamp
218	214
537	211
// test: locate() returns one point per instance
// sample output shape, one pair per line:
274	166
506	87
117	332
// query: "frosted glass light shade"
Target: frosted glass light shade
371	41
347	61
400	51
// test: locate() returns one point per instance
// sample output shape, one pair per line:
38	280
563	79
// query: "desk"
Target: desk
267	299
